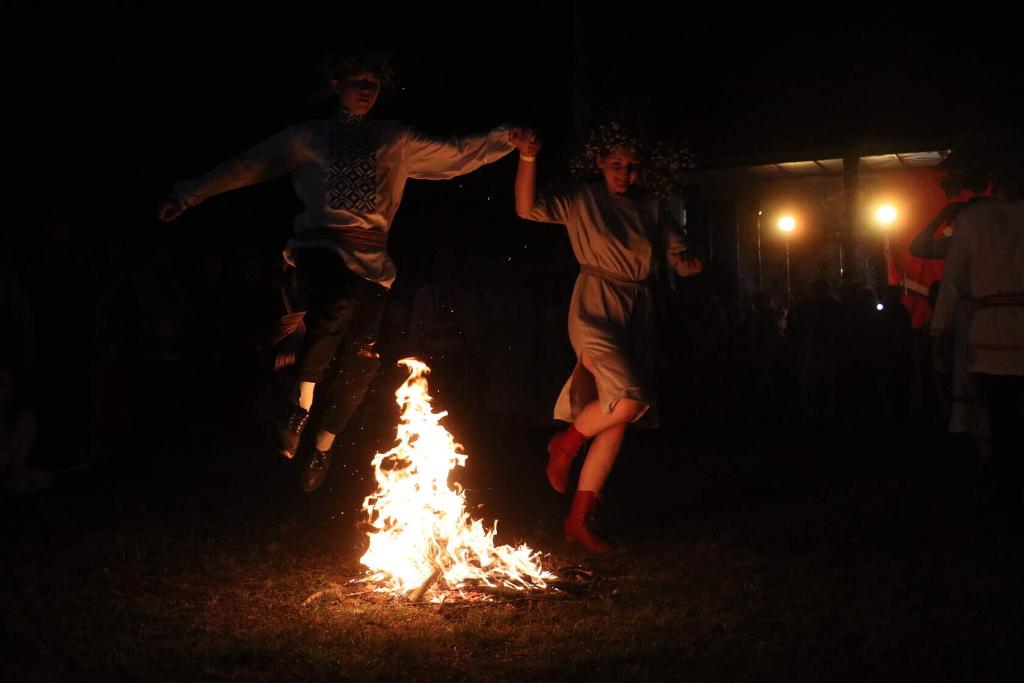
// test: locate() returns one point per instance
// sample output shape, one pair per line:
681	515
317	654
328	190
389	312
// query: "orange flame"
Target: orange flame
420	525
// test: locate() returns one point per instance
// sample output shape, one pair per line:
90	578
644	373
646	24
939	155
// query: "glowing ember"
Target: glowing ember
421	530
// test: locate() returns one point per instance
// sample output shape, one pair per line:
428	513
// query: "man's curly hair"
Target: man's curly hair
339	64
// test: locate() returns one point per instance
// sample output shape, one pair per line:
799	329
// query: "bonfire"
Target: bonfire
422	537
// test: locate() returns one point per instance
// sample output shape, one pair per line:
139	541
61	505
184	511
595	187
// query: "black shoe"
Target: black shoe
315	471
288	430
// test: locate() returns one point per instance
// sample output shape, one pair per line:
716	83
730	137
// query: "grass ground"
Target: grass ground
194	564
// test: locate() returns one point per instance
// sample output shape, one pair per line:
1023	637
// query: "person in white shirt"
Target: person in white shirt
349	171
985	263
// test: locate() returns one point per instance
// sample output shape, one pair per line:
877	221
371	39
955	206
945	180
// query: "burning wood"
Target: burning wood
421	533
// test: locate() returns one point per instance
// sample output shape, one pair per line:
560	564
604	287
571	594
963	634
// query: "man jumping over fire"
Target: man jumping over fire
349	171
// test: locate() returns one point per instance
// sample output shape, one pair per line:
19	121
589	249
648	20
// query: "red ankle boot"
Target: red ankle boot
576	523
562	448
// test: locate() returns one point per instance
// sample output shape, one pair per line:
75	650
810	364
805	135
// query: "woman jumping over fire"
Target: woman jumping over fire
618	233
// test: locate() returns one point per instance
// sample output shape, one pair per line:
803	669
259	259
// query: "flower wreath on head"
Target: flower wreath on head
661	165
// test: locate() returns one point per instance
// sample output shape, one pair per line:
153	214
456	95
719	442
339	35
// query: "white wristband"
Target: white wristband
523	157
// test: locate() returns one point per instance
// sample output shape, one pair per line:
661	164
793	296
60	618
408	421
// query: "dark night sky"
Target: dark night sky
110	105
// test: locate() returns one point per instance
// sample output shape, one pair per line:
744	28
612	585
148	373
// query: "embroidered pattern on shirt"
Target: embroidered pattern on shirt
352	171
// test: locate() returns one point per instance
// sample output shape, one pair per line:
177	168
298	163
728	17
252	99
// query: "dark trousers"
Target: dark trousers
1004	397
343	316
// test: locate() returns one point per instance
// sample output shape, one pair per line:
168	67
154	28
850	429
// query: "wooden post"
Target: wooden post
851	214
